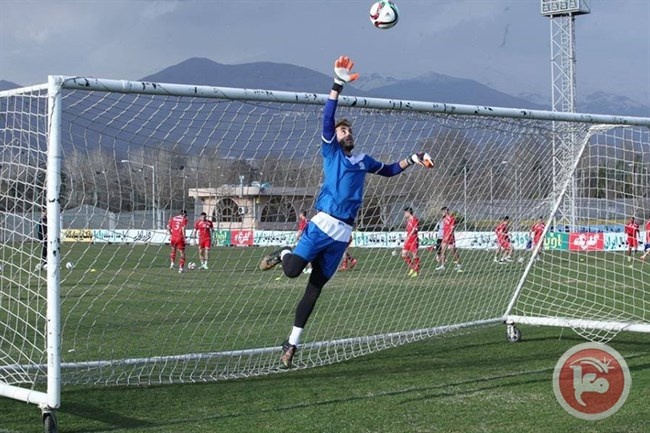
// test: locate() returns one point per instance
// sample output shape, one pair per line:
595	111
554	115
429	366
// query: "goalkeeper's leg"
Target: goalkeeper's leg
293	265
304	309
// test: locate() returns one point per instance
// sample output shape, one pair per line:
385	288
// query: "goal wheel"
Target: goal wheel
513	334
49	422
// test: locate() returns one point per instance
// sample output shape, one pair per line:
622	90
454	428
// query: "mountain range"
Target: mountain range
431	87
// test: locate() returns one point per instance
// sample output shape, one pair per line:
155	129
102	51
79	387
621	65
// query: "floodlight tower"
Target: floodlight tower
562	15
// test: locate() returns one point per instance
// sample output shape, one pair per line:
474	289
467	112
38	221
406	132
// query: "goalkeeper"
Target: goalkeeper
326	237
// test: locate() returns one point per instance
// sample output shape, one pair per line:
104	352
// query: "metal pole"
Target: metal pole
518	193
154	209
465	197
491	195
53	192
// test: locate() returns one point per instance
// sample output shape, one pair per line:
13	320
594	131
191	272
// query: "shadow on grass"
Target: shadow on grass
419	360
114	421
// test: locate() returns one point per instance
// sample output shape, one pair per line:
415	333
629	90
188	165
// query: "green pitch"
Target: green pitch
468	383
473	381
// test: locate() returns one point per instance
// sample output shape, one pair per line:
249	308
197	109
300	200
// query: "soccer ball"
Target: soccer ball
191	266
384	14
69	265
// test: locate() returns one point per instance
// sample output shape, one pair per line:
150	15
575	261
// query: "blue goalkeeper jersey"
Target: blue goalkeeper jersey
341	193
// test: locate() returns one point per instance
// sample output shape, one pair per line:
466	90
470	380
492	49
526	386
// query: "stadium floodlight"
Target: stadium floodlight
564	7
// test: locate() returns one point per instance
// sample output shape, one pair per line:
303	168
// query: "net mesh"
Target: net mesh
131	161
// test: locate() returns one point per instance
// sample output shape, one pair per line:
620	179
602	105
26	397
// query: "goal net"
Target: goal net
112	161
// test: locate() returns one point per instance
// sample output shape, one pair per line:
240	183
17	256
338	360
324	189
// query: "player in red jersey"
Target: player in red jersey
536	232
411	243
203	227
348	262
448	240
176	228
632	232
647	241
504	247
303	222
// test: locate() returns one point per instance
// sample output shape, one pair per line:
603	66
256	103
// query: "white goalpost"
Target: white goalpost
109	162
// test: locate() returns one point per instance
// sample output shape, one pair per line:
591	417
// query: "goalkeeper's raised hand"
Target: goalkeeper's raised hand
343	73
420	158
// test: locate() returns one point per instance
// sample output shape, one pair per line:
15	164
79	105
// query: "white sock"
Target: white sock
294	338
284	253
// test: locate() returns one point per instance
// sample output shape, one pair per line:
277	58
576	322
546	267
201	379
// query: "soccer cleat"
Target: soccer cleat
440	268
410	273
171	266
288	350
181	270
270	261
414	274
353	263
496	260
459	269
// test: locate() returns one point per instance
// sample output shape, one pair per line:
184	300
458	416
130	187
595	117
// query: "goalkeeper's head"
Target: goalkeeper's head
344	135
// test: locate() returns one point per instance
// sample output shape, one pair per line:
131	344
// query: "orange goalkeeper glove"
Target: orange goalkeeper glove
343	72
420	158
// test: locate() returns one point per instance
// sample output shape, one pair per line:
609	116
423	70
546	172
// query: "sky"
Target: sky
505	44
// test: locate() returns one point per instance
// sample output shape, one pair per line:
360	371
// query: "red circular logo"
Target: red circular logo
591	381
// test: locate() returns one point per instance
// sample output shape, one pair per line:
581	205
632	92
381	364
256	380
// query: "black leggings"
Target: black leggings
293	265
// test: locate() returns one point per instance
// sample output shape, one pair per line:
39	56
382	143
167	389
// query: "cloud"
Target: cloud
494	41
157	8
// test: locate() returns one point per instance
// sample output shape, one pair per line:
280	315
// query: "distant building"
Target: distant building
253	207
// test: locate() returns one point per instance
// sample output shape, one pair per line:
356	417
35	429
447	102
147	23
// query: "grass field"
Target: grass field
470	383
124	302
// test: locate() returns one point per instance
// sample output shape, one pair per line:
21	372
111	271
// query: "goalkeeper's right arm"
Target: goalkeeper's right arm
342	75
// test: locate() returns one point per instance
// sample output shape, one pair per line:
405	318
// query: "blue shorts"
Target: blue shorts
317	247
647	247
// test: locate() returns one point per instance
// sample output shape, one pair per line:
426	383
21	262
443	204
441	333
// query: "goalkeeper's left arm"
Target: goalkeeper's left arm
420	158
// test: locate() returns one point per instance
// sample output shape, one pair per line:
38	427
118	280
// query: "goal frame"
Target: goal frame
50	399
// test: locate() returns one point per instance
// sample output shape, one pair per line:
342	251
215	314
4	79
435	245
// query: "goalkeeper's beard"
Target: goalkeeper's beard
348	144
